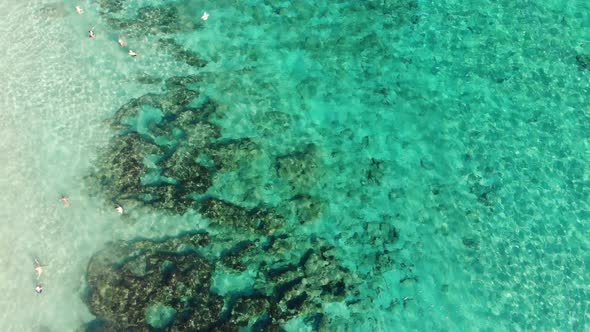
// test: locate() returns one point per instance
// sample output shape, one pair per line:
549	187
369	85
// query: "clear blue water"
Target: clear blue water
439	148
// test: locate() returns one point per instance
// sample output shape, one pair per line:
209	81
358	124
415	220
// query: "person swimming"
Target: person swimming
91	34
38	268
39	289
79	10
205	16
133	54
65	200
122	42
119	209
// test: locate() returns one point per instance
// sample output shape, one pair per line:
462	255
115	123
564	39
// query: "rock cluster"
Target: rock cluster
165	285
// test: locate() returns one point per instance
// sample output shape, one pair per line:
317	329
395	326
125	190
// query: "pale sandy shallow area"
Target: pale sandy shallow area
57	87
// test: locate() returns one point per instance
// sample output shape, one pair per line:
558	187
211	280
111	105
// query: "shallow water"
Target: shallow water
462	126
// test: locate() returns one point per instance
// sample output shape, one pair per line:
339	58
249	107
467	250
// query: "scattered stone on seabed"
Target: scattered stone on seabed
300	168
583	61
471	243
304	208
148	79
54	10
376	171
233	154
181	54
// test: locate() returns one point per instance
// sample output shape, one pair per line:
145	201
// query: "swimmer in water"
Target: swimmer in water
65	200
205	16
119	209
79	10
91	34
122	42
38	268
39	289
133	54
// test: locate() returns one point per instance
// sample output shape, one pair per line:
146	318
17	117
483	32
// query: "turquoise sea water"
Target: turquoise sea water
438	149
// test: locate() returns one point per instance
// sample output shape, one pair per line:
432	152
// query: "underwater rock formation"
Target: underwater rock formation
166	285
257	220
148	19
147	79
232	154
299	168
131	282
122	168
583	61
153	160
302	208
54	10
168	152
180	53
164	157
110	6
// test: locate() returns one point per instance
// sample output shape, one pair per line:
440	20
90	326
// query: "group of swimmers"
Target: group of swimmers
66	202
38	266
64	199
122	42
92	35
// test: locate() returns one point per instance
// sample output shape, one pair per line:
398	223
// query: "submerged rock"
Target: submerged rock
166	156
153	162
583	61
299	168
191	177
110	6
148	79
304	208
258	220
98	325
121	168
232	154
173	291
166	284
181	54
163	19
54	10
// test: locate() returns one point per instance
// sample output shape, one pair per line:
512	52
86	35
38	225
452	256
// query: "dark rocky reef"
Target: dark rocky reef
167	152
180	53
256	220
166	285
122	166
157	165
301	170
583	61
165	19
231	154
